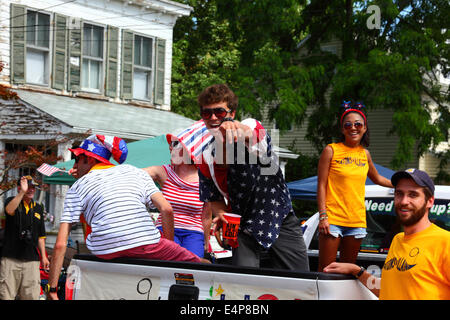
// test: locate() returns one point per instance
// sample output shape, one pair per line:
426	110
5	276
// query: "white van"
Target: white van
382	224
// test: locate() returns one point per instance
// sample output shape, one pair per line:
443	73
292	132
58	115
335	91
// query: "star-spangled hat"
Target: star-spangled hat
102	147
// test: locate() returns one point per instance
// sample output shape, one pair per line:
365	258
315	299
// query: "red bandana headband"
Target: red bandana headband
353	110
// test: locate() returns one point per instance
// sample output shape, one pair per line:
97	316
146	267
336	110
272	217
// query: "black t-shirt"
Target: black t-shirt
13	245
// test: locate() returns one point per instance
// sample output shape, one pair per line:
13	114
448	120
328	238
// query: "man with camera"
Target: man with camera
24	236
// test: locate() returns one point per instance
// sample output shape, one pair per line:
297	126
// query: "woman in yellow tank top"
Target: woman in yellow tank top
342	172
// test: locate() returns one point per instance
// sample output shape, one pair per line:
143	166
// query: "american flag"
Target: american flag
48	170
195	139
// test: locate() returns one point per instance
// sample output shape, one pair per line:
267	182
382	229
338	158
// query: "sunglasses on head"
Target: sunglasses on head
348	125
220	113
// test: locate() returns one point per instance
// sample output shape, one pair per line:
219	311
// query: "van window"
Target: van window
382	224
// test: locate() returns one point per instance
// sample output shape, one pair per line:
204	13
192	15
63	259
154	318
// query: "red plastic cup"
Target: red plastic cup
230	229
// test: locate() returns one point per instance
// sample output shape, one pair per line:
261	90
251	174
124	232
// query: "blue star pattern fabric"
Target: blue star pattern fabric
263	201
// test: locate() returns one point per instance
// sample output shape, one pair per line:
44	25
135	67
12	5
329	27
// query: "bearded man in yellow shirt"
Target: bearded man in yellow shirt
417	266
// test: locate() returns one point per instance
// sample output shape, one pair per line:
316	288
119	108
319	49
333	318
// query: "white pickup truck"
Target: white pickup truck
89	277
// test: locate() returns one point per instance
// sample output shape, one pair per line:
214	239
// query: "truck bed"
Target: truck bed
91	278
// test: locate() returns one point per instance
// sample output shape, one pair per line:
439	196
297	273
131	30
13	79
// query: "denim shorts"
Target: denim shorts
340	231
189	239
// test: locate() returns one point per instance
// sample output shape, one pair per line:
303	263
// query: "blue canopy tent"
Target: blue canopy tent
306	189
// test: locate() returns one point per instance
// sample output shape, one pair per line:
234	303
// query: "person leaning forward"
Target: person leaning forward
108	195
249	183
24	236
417	264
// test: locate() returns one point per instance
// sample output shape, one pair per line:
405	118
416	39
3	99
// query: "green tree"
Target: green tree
254	47
203	54
267	34
393	67
233	42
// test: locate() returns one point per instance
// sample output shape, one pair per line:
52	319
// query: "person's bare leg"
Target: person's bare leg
349	249
328	246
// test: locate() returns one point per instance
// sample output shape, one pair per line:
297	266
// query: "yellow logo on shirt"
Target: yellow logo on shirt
37	215
401	263
349	161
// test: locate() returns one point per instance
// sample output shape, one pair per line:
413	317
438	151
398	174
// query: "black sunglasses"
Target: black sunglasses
220	113
349	125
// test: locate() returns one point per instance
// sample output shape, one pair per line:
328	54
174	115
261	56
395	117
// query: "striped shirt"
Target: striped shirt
184	199
114	202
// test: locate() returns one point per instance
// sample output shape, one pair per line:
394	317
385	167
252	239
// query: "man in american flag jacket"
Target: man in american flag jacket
239	173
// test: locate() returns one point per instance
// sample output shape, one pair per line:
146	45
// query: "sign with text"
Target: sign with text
439	213
103	285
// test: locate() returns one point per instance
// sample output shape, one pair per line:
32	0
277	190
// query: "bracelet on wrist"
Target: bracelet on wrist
49	289
323	217
361	271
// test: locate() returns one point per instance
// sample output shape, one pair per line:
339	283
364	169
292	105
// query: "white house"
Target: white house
79	65
120	50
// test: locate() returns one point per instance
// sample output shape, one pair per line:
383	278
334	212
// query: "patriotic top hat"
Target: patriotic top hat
102	148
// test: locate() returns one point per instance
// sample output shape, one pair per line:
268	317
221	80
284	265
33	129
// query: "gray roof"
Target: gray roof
102	117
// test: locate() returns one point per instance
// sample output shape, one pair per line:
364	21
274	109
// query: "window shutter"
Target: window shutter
127	64
18	40
74	54
59	52
112	62
159	70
